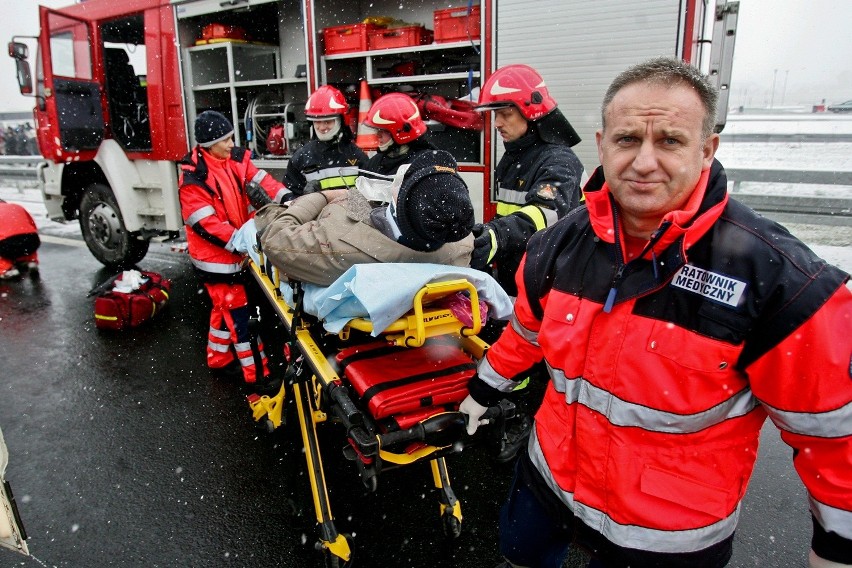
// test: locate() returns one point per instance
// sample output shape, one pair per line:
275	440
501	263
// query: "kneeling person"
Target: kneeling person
320	236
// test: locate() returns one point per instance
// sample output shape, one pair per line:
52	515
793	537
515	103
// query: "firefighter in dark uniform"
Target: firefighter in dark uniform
331	160
396	119
538	177
538	181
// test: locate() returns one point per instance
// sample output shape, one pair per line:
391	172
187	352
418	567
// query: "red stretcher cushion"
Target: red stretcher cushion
395	380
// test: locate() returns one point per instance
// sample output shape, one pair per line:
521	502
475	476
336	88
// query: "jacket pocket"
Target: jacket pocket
691	493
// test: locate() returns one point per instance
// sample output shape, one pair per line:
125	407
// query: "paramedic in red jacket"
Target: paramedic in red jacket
220	189
673	320
18	242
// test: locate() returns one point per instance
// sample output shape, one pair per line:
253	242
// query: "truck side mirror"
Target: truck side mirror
19	52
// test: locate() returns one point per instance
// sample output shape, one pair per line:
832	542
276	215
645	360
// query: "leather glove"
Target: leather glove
257	195
815	561
484	246
474	411
312	187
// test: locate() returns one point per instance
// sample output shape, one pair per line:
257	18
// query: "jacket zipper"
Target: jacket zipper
622	266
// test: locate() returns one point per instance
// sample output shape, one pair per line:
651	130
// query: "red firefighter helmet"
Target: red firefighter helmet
325	103
518	85
398	114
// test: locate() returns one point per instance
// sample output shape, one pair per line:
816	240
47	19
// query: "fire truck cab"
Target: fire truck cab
117	85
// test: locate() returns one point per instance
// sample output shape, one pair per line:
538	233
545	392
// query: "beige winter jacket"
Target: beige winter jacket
314	241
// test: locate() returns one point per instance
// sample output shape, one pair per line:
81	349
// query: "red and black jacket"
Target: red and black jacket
663	370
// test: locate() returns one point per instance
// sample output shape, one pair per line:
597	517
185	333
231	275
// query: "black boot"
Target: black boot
267	386
516	436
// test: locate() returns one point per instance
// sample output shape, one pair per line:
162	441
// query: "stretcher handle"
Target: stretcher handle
446	428
440	430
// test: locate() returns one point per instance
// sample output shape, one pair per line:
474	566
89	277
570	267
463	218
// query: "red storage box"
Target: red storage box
393	380
351	37
405	36
454	24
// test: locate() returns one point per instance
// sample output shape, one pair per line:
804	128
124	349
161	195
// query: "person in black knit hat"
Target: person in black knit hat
220	189
321	235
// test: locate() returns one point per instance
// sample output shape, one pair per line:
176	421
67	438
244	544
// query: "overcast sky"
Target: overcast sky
803	47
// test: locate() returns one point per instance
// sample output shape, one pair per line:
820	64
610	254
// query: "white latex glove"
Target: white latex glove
815	561
474	412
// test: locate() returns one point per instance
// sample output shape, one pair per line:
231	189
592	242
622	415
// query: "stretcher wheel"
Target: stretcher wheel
451	524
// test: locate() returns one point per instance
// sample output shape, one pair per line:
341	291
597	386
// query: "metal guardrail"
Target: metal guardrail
19	167
795	209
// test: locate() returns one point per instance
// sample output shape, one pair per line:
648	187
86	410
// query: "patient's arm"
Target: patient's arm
303	240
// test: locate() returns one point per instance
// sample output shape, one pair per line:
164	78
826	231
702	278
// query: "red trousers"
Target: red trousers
229	336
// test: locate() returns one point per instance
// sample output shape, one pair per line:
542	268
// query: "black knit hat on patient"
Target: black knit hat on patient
212	127
433	206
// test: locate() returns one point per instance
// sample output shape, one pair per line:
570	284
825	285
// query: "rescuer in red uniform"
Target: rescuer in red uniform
673	321
220	189
18	242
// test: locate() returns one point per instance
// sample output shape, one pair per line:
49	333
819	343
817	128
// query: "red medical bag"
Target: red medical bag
392	380
120	311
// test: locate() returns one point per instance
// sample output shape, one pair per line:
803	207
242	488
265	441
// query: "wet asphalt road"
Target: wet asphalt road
125	452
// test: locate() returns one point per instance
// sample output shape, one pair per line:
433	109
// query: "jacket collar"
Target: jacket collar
688	224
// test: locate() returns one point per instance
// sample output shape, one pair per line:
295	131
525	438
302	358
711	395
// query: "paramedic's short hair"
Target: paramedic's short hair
668	72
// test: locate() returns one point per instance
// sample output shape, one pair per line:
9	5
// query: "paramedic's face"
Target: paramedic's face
324	126
653	151
222	149
510	123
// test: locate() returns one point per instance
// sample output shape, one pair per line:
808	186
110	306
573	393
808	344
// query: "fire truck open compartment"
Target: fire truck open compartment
237	59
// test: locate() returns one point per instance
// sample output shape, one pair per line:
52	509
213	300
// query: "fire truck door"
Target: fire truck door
69	92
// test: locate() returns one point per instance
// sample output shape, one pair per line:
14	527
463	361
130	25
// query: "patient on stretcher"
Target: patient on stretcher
319	236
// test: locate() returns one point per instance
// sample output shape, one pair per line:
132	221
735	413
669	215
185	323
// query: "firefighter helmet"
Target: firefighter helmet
398	114
518	85
326	103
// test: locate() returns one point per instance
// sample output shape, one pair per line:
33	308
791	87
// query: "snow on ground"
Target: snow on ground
789	123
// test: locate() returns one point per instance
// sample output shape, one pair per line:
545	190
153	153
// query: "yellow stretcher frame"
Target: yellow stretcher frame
323	392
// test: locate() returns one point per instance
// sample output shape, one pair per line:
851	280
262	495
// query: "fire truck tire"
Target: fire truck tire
104	231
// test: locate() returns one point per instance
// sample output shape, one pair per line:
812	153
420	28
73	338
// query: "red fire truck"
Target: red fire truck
117	84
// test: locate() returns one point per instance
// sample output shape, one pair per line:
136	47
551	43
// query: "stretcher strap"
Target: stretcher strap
426	401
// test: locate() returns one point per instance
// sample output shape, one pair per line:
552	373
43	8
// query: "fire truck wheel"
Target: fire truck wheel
104	231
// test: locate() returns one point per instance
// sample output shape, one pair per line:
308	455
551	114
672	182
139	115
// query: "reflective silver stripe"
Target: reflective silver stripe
258	177
220	333
217	347
245	346
216	267
511	196
494	379
247	361
633	536
336	171
199	214
831	424
550	216
623	413
279	197
832	518
528	335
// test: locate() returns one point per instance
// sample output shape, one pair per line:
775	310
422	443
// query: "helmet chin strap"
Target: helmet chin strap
386	145
331	133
